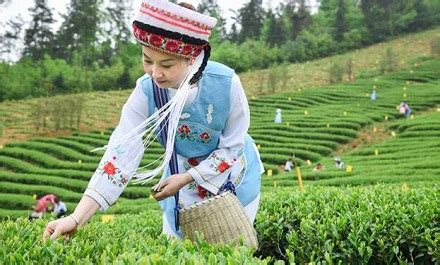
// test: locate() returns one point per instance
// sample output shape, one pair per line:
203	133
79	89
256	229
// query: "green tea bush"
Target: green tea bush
16	201
373	224
75	185
26	189
44	160
60	152
20	166
73	145
125	240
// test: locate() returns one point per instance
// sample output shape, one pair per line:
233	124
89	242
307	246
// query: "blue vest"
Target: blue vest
200	127
198	135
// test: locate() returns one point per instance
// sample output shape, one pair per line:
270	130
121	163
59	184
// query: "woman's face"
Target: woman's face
168	71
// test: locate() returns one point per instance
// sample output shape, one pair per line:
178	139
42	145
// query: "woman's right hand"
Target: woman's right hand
65	226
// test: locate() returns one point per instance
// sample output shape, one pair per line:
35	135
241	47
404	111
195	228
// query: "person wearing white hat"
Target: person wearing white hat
199	109
278	116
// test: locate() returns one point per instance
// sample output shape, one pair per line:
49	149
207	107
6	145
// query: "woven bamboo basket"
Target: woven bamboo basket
221	219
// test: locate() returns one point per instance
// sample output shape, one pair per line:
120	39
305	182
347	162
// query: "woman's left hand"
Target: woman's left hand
171	186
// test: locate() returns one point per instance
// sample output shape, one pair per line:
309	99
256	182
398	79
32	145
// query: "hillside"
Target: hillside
409	154
102	109
315	123
384	210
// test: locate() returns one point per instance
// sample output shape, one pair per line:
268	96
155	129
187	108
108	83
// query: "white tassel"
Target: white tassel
172	109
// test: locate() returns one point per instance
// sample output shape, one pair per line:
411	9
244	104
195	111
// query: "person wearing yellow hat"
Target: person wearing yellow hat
198	110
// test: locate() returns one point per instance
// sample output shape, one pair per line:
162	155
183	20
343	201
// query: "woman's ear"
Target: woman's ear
191	61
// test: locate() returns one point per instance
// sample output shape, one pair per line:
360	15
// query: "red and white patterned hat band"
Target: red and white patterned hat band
167	45
173	18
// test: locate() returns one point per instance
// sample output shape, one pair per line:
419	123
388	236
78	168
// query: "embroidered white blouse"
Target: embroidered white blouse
109	180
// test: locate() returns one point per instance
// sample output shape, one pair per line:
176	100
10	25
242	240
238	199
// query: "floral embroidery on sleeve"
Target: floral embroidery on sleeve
201	192
193	161
119	150
219	163
114	175
223	166
109	169
190	162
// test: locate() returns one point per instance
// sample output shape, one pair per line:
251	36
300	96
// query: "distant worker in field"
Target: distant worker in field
405	109
278	116
42	206
199	111
60	208
339	163
373	95
45	202
318	167
288	166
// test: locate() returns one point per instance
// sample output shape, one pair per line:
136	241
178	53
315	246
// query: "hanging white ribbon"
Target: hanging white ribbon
151	127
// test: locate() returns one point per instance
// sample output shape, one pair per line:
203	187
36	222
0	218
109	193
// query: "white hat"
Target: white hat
174	29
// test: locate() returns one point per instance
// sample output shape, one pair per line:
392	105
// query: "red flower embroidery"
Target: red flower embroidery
142	35
223	166
172	45
202	192
197	51
109	169
156	40
187	49
193	162
184	129
205	136
139	33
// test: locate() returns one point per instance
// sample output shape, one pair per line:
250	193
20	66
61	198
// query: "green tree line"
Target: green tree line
93	48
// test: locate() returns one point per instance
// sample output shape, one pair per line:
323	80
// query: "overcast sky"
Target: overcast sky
16	7
20	7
